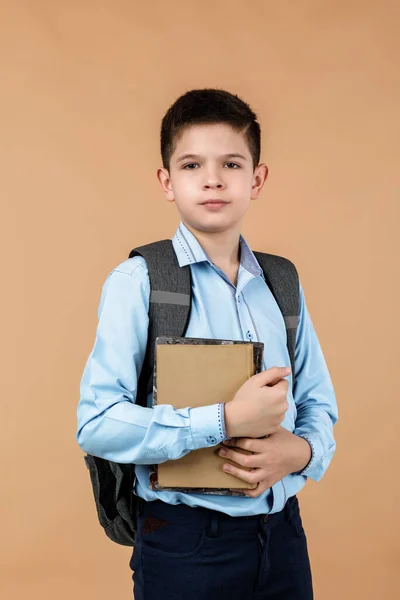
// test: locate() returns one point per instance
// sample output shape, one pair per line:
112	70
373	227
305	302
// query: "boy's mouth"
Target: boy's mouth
214	203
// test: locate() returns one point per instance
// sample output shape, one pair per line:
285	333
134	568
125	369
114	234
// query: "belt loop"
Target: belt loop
214	526
288	509
139	505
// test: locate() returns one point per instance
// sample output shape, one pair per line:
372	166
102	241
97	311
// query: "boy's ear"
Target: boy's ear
259	178
165	182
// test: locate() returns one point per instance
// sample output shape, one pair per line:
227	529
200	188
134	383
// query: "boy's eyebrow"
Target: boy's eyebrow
232	155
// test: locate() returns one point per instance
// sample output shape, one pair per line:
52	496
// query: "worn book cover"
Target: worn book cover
198	372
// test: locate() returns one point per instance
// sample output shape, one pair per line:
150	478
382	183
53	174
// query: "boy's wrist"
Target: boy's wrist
303	455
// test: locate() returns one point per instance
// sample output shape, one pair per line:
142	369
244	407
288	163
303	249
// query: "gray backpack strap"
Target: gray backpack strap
170	298
283	280
170	301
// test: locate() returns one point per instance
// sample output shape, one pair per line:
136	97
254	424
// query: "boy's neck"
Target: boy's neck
222	248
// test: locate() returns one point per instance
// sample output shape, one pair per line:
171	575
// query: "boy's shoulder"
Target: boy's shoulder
135	267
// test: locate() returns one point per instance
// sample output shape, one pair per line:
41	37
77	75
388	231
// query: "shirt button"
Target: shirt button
249	335
211	439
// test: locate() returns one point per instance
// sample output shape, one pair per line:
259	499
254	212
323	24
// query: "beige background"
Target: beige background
84	85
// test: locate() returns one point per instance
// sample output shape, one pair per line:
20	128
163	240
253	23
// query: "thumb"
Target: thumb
271	376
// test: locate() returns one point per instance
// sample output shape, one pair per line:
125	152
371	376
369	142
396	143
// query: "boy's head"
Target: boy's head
209	125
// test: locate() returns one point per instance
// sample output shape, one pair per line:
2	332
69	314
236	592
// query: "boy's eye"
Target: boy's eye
191	164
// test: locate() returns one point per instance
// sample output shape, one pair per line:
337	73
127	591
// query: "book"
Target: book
199	372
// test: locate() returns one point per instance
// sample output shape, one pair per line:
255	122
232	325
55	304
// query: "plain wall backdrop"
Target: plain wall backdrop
84	86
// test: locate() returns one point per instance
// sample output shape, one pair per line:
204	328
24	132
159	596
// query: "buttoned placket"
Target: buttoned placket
247	324
245	319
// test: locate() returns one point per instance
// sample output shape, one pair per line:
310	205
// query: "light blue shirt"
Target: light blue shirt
112	426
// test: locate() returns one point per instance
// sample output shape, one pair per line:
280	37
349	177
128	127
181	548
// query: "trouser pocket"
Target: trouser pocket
163	537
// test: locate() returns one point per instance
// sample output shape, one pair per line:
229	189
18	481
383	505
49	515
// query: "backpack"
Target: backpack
169	312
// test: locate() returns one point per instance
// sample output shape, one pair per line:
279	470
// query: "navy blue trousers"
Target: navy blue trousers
195	553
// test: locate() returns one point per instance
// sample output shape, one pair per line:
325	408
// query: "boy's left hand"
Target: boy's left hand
274	457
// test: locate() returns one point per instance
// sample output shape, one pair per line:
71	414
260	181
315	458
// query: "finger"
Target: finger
231	442
253	476
253	493
246	443
282	384
248	461
260	489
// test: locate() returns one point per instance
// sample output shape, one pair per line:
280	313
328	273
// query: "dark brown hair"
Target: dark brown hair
209	105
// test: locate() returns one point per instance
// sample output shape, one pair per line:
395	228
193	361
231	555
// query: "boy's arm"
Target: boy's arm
110	424
314	396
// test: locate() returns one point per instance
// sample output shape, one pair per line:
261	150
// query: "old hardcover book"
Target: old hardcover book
198	372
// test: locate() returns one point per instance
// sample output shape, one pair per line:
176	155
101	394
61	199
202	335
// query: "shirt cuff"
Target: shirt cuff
316	467
226	436
207	425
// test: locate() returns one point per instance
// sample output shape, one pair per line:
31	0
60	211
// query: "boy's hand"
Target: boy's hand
274	457
259	405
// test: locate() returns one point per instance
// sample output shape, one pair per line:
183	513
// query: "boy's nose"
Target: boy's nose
213	184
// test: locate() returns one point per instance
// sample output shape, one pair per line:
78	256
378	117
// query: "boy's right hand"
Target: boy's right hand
259	406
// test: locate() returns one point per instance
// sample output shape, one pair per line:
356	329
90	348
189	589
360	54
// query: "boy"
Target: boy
199	546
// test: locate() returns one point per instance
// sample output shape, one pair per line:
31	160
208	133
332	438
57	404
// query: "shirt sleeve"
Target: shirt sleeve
109	422
314	397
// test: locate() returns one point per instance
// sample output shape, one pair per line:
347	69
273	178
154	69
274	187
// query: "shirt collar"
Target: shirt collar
189	251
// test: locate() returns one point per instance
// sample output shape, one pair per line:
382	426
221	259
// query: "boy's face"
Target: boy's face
211	174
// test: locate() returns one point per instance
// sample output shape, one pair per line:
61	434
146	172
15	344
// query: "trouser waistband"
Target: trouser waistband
201	516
